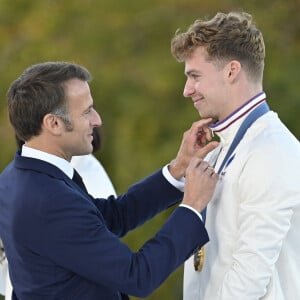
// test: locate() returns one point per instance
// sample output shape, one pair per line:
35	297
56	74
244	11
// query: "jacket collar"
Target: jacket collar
227	128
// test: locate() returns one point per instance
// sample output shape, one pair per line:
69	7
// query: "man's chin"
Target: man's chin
84	152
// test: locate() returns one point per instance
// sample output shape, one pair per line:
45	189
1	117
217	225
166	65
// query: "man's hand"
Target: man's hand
200	182
194	143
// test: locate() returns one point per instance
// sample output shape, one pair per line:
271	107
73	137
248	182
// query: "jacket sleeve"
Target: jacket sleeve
82	244
140	203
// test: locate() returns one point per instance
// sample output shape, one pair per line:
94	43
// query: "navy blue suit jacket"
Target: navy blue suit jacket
63	244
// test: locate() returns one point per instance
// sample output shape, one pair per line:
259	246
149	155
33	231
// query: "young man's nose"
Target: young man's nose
188	90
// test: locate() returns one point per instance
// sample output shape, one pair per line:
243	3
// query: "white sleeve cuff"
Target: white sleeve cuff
179	184
192	209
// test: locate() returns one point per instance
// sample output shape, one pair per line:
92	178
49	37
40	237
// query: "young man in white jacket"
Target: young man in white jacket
253	219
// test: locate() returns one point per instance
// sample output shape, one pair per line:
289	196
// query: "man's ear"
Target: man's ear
232	70
53	124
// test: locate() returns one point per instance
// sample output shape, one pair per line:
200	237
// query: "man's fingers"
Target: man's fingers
203	166
195	162
202	131
201	153
203	122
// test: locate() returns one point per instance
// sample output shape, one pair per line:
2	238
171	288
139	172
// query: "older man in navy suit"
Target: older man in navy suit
60	242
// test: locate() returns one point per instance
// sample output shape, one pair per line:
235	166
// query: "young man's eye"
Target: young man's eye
193	76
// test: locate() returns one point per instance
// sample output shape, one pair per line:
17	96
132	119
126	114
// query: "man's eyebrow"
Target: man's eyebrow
189	72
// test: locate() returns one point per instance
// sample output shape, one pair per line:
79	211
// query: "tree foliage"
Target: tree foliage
137	85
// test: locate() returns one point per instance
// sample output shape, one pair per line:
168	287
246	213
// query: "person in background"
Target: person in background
5	284
62	243
98	185
253	219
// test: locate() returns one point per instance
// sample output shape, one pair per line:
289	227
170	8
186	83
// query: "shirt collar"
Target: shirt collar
226	128
59	162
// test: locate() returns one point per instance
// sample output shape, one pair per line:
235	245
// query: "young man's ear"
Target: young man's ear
53	124
232	70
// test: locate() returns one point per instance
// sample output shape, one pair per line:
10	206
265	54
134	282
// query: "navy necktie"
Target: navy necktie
78	180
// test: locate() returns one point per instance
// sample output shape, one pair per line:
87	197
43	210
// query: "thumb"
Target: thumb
201	153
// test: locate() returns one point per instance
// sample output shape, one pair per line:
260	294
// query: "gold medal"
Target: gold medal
199	259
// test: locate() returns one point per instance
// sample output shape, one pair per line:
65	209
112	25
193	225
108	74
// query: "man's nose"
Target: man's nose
188	90
96	121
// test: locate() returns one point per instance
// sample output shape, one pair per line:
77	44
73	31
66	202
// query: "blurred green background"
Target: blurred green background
137	85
